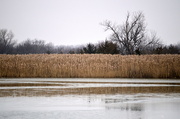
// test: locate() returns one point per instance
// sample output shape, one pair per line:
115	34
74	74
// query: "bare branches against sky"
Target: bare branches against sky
74	22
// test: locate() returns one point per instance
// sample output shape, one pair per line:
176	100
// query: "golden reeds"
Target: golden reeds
90	66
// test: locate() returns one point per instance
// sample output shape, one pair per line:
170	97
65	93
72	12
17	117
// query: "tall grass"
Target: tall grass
90	65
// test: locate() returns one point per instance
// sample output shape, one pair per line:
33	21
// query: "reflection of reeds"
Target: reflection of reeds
85	82
93	65
86	91
25	89
28	84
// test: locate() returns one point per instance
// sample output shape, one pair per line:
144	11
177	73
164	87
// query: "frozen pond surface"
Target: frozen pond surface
84	83
112	105
136	106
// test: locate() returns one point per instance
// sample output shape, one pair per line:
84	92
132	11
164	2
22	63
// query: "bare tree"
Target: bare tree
6	41
151	43
31	46
131	35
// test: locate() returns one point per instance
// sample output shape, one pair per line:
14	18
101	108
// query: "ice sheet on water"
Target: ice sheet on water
85	85
74	83
153	106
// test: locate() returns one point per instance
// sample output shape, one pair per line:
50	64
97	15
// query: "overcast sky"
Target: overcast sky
75	22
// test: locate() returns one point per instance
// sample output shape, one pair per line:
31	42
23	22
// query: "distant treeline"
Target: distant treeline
9	46
128	38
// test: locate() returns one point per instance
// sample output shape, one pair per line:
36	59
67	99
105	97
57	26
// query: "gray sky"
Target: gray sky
75	22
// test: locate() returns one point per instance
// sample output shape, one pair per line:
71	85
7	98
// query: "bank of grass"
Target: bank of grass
89	66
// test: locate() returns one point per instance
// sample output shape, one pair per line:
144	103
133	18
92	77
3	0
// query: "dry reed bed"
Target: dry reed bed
90	66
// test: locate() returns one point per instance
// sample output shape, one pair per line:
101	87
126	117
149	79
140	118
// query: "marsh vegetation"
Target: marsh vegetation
89	66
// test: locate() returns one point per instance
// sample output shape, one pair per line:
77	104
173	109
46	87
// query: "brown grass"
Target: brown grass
90	66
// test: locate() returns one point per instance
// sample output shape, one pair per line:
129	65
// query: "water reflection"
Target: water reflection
56	87
76	99
119	106
127	107
46	91
111	100
140	106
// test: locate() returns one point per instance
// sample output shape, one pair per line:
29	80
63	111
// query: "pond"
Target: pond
89	99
